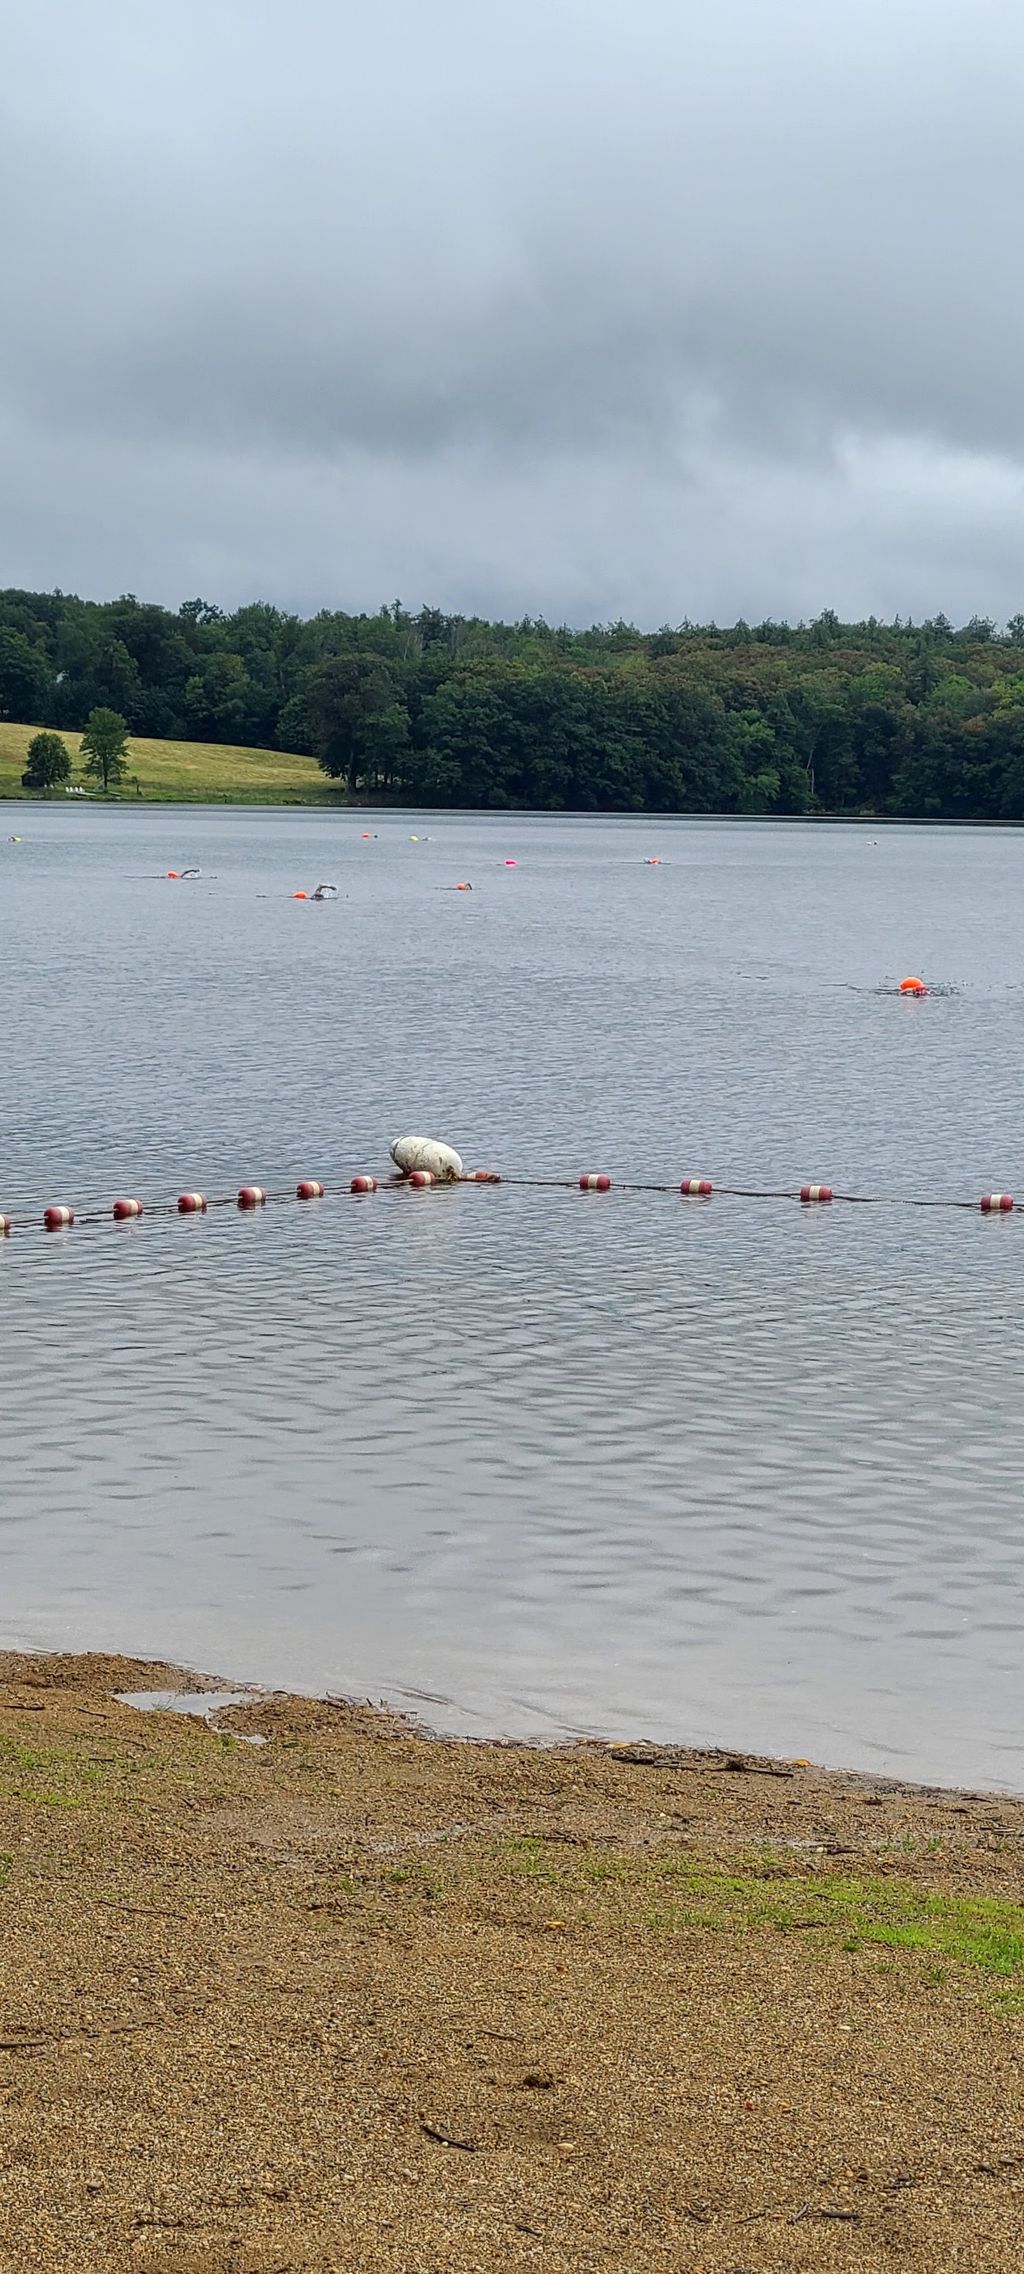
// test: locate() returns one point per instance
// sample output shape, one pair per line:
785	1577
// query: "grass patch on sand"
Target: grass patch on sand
541	1884
58	1777
674	1894
183	773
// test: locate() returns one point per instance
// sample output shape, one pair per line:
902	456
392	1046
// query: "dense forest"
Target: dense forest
913	719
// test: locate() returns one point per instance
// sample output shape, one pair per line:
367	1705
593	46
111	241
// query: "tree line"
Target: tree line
429	708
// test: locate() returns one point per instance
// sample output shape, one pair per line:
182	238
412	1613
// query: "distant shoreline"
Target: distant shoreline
337	804
229	776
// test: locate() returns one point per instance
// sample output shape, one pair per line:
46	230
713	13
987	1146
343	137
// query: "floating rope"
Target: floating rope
249	1197
991	1203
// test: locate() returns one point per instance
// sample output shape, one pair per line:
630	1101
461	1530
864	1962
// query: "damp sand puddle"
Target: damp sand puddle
202	1705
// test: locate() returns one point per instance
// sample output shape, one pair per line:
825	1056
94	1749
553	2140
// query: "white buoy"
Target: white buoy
444	1165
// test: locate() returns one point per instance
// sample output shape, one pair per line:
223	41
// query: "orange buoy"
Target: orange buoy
913	987
463	888
300	896
172	872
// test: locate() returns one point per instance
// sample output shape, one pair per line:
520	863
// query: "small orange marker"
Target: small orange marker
300	896
913	987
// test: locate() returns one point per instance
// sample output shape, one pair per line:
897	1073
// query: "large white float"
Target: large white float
440	1161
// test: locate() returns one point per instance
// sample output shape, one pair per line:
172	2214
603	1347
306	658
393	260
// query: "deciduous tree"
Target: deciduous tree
104	747
49	763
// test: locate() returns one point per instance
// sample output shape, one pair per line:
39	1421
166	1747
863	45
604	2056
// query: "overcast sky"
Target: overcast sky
582	308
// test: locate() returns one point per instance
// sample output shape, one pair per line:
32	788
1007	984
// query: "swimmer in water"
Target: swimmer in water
325	892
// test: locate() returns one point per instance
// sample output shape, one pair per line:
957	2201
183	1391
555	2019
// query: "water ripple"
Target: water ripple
736	1473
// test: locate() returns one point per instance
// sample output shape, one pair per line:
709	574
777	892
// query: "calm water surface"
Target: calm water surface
739	1473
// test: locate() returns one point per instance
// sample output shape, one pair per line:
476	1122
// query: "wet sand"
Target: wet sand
355	1998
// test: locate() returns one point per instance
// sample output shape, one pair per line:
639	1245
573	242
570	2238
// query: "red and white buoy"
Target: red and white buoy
251	1196
5	1227
595	1184
124	1210
58	1219
813	1192
420	1178
481	1176
191	1203
309	1189
368	1183
996	1204
697	1187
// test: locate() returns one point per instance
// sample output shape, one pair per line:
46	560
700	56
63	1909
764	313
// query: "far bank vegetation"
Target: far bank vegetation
909	720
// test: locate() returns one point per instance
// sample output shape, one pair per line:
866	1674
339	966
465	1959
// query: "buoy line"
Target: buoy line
60	1217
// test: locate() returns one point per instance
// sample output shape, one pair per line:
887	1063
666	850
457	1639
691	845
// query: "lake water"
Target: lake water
736	1472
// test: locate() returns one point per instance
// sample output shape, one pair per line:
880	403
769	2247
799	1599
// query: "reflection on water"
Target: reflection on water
736	1473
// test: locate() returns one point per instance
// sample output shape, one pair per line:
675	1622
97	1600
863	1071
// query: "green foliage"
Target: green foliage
25	683
358	724
49	763
104	745
867	718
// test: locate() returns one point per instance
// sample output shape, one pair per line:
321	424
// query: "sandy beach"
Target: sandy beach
357	1998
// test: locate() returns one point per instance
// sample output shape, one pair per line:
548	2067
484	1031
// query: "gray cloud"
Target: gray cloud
588	307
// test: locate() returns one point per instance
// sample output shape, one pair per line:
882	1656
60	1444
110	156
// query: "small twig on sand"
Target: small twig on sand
447	2140
138	1910
108	2029
824	2211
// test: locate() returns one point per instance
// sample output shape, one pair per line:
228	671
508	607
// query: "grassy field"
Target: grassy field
194	773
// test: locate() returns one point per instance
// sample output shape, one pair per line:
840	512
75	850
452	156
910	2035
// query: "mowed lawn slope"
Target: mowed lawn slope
196	772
